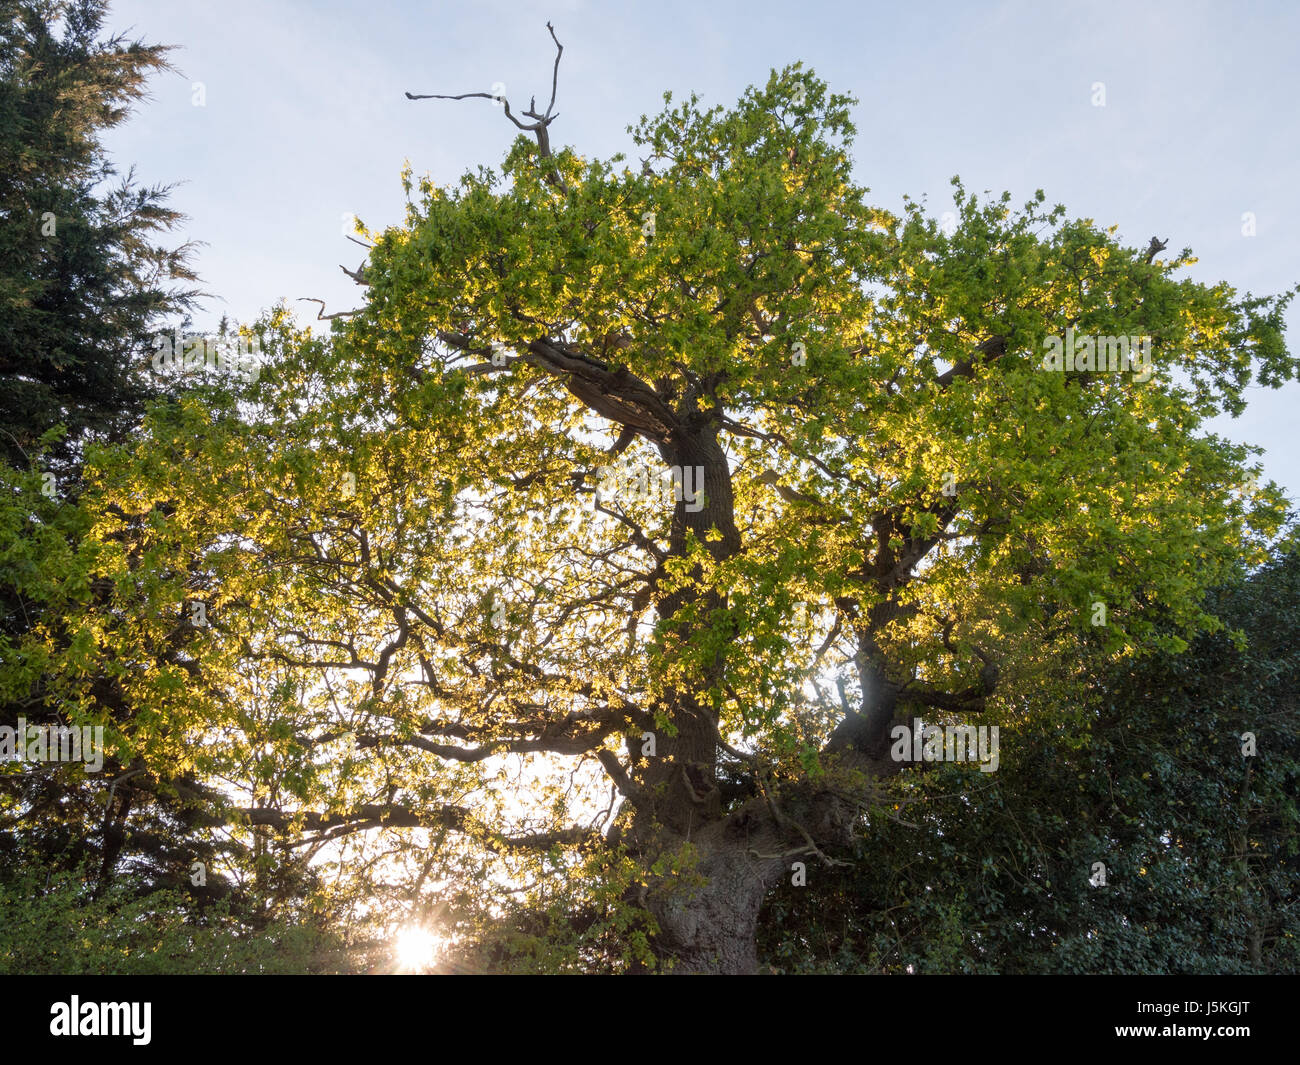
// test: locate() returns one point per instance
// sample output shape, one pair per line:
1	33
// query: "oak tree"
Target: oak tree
593	558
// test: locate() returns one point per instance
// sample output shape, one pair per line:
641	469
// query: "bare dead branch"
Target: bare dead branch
538	127
321	316
555	74
1155	248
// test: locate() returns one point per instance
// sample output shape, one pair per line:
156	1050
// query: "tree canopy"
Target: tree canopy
584	572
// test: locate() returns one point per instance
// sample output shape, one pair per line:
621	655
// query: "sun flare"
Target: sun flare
416	948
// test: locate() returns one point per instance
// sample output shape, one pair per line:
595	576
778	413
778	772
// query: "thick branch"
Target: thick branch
995	347
377	815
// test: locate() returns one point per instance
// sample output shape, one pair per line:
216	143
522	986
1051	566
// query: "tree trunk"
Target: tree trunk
708	913
707	908
708	916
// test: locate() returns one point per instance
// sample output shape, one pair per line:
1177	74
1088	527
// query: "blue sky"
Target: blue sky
304	119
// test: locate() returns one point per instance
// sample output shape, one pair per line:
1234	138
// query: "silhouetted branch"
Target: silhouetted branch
538	127
321	316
